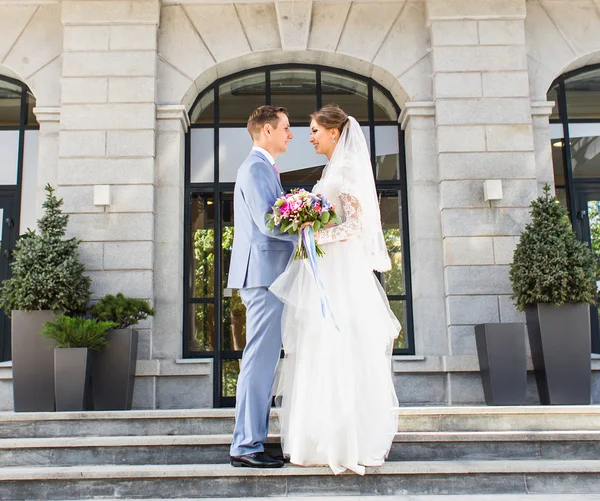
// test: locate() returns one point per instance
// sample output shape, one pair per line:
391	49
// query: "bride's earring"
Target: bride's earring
333	139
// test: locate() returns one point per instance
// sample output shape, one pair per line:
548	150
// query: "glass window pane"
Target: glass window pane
399	309
202	256
231	372
28	187
10	104
295	90
31	118
202	162
9	156
349	94
383	108
204	111
234	322
387	150
553	96
558	164
240	97
391	220
583	95
585	157
300	162
202	327
234	146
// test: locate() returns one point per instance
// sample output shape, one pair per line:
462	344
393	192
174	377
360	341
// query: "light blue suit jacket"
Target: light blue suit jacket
259	255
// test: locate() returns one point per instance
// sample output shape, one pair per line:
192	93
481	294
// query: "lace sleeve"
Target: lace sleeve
352	224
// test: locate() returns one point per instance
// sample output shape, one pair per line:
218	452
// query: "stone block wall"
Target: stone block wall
114	80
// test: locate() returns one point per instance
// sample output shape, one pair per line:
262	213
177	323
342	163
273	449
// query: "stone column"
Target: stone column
540	116
484	130
47	167
421	379
107	137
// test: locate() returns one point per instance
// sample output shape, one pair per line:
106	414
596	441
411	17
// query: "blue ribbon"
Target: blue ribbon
308	239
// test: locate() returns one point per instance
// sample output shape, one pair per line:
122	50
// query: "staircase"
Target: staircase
183	454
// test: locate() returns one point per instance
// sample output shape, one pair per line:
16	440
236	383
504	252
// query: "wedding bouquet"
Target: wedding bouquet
299	206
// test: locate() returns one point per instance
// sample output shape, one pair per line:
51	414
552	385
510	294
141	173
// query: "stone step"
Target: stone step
214	449
462	497
220	421
220	481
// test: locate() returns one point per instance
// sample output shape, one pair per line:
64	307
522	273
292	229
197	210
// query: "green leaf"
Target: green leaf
324	217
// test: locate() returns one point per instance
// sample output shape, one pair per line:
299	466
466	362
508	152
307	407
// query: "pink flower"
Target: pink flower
318	209
285	209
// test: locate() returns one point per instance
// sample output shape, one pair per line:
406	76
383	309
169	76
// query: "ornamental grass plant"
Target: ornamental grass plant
78	332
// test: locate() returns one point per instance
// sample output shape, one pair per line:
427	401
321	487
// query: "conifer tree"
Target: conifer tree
550	265
46	272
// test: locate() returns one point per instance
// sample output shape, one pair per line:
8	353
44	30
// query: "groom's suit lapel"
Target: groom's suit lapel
271	169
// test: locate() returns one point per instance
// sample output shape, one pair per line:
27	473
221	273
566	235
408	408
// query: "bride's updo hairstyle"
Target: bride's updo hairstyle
331	117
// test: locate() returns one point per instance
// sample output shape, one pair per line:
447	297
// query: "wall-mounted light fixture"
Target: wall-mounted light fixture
102	194
492	189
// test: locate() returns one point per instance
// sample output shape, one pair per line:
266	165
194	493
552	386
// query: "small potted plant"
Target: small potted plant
114	368
553	281
74	337
47	279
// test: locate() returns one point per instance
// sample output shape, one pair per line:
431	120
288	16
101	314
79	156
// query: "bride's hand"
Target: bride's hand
308	223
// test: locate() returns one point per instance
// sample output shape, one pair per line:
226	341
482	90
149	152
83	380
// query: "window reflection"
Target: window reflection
583	95
233	309
240	97
585	156
9	156
295	90
234	146
204	111
31	118
203	246
389	205
10	104
387	165
202	162
383	108
202	331
349	94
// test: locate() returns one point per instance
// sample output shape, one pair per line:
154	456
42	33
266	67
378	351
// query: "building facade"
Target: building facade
151	97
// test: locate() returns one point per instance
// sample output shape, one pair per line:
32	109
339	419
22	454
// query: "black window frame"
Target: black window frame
217	189
13	192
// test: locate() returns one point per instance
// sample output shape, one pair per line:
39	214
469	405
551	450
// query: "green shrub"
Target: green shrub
46	272
122	310
77	332
550	265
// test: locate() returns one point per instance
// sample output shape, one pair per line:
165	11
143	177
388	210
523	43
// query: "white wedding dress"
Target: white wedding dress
339	406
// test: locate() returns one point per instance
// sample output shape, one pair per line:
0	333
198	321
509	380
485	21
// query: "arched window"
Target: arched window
575	136
18	166
217	144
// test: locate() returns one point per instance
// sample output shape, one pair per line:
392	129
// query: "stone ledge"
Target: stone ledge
47	114
542	108
425	109
173	112
452	363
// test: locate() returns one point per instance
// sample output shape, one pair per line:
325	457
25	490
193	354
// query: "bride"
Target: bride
339	407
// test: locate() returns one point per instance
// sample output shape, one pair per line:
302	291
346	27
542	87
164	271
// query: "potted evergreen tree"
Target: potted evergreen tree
114	367
75	337
553	281
47	278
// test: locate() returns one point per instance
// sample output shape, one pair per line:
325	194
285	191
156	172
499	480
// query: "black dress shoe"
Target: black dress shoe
275	451
256	460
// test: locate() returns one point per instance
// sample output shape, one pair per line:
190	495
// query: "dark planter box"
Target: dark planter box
560	340
32	362
72	379
114	371
502	363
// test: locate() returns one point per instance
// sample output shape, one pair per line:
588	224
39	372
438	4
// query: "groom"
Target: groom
258	257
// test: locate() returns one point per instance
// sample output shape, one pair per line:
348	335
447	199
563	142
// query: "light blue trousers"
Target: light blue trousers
259	362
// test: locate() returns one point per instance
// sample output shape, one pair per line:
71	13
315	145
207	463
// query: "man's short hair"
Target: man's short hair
264	115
